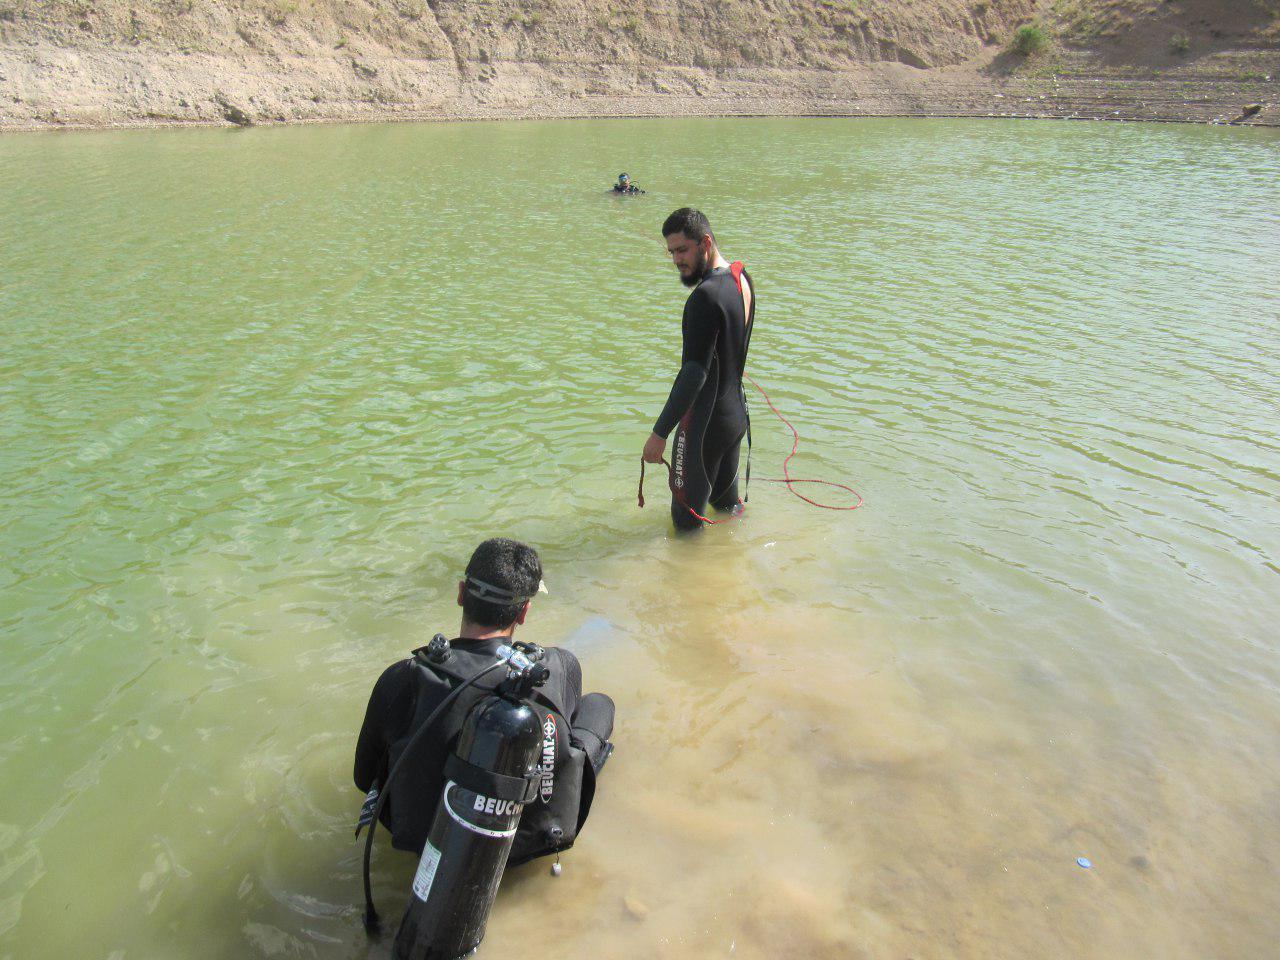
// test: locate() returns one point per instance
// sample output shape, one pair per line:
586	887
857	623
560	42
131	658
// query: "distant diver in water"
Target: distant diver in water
625	186
706	407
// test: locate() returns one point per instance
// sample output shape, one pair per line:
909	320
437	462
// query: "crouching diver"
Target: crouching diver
476	753
707	407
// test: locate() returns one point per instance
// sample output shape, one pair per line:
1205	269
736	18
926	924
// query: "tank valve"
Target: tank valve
438	649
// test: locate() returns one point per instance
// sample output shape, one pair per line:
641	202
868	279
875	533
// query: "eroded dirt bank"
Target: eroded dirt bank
101	63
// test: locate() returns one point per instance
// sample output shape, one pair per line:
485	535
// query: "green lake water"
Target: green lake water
262	391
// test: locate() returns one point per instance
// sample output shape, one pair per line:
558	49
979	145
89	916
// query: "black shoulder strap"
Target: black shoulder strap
459	667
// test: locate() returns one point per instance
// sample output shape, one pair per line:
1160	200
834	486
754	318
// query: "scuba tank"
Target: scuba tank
489	778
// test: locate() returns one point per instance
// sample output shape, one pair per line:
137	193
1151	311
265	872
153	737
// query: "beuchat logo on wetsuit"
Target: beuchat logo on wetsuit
678	469
548	765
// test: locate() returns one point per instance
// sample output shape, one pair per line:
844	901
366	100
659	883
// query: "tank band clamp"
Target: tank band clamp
480	780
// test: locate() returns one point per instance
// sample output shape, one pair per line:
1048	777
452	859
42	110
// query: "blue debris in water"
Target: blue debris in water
594	633
1084	862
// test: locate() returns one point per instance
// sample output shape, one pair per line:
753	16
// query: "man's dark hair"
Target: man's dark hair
692	223
511	567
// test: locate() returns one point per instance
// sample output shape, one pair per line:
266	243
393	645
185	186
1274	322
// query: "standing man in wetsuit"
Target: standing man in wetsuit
707	407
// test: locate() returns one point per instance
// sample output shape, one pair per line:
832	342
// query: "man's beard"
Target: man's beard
697	273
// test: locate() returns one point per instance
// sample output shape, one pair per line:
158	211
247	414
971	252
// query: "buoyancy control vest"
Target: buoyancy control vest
550	822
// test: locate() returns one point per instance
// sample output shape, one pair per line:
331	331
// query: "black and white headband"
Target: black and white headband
491	594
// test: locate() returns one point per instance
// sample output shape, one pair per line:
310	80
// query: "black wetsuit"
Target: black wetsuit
707	407
398	700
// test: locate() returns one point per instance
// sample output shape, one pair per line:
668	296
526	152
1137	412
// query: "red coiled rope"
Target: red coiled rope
786	474
785	478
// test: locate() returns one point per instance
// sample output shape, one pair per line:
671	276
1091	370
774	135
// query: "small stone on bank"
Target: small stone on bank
636	908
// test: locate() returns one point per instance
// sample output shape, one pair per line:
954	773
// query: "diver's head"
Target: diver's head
691	244
502	578
623	179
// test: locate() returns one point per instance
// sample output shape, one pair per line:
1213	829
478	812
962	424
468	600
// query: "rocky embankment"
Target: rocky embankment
97	63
